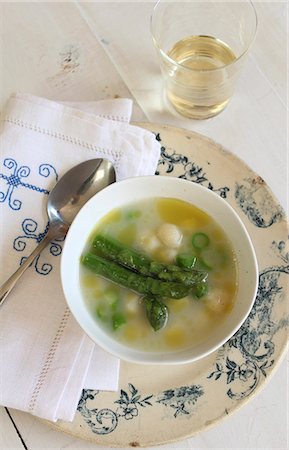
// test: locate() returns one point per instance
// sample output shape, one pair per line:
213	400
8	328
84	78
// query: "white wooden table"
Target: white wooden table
94	50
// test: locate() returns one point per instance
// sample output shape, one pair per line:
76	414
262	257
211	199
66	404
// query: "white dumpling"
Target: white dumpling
132	303
216	301
149	242
169	235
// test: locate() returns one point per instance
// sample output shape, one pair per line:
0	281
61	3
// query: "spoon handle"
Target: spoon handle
8	285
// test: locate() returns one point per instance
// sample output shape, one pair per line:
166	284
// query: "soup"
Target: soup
166	275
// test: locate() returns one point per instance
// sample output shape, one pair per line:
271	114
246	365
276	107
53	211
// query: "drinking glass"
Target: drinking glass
202	46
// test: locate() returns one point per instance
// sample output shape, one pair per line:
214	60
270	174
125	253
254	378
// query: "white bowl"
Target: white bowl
135	189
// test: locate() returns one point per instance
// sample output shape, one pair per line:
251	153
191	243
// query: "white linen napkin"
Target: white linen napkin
46	359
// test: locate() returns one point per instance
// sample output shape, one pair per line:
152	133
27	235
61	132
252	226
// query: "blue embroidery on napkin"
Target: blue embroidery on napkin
14	180
29	227
46	169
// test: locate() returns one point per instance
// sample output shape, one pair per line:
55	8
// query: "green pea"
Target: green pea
200	240
186	260
201	289
118	319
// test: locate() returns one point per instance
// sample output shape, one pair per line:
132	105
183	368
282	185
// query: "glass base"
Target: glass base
197	112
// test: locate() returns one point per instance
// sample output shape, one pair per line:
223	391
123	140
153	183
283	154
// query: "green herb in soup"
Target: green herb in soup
159	275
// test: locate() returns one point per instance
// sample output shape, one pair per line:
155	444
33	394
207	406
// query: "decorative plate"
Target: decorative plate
177	403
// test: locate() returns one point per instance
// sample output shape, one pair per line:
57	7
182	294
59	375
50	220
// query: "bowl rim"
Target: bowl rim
144	357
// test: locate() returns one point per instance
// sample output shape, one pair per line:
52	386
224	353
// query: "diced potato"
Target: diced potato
90	281
175	337
113	216
131	332
176	211
190	224
127	234
166	254
170	235
178	305
134	332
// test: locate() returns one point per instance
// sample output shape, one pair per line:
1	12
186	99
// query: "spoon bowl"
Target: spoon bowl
65	200
76	187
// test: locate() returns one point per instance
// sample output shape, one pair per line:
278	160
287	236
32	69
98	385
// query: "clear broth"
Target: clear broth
191	321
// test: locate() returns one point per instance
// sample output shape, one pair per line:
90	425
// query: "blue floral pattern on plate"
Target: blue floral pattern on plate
105	420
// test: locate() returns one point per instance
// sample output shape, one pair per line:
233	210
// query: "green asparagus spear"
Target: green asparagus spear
133	280
157	312
110	248
114	250
167	272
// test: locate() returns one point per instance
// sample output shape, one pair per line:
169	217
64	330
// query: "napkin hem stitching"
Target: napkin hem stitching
49	359
124	119
39	101
63	137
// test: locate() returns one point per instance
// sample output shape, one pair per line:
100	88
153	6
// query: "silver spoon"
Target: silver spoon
65	200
